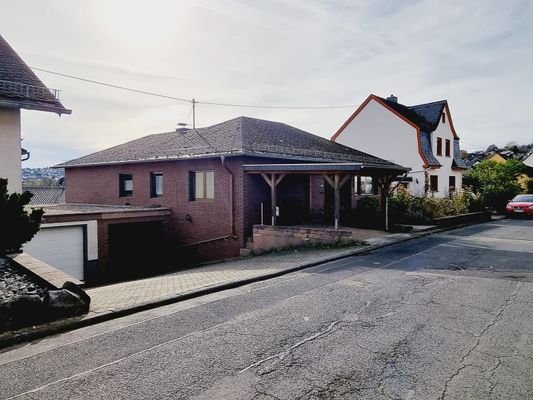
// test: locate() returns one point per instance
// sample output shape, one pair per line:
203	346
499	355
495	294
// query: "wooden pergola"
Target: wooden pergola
335	174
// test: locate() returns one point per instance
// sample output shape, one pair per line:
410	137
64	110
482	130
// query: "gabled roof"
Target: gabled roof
20	87
239	136
424	117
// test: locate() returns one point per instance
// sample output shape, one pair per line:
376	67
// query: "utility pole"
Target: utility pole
193	114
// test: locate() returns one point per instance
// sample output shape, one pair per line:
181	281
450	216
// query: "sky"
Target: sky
477	55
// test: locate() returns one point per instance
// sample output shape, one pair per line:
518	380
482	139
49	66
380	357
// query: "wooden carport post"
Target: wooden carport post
337	183
384	185
273	182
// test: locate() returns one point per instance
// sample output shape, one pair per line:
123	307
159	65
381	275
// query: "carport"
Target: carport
335	174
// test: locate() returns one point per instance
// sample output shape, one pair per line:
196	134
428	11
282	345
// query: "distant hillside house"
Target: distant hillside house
421	137
19	88
217	182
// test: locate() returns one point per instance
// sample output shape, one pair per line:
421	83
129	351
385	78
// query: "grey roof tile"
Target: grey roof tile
19	85
239	136
46	194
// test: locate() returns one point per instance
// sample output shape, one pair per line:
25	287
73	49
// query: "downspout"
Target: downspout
231	214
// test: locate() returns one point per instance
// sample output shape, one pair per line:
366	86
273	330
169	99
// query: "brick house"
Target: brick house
219	181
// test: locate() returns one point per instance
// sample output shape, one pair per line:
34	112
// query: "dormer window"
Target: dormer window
439	146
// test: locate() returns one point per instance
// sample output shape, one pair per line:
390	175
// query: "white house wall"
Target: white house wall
378	131
444	131
10	148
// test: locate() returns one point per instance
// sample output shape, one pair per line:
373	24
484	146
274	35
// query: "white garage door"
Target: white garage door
61	247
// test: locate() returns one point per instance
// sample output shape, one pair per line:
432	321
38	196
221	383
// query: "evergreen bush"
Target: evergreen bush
17	225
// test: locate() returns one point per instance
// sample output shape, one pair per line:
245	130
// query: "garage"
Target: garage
136	249
63	247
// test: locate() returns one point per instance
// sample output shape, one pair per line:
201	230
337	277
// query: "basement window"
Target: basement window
125	182
201	185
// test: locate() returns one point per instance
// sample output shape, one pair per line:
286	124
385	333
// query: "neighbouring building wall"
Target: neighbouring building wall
444	173
378	131
191	221
10	167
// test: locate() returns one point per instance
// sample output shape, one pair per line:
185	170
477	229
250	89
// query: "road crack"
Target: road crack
462	365
280	356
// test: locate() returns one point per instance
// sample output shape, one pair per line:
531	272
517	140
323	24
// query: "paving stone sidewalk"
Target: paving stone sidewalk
129	295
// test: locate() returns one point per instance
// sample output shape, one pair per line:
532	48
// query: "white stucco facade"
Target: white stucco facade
378	130
10	167
445	133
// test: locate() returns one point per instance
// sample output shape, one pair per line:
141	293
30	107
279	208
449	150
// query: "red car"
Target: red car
520	205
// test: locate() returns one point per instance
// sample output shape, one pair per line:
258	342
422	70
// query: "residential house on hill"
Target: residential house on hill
421	137
216	182
19	88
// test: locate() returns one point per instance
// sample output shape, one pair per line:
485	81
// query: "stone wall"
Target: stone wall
267	237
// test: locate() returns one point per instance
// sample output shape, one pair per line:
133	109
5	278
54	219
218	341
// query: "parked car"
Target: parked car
522	204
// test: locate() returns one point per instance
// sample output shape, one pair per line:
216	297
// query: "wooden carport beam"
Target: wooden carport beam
337	183
273	182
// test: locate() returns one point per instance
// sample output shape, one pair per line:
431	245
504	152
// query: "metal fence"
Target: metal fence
28	91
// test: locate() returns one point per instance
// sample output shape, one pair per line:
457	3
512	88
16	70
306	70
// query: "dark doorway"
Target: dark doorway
135	249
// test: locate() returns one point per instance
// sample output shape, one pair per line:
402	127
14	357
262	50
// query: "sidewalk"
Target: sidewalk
116	300
127	295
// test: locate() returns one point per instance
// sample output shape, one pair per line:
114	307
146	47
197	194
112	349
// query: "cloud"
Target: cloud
475	54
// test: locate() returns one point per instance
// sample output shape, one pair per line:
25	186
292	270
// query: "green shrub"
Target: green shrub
17	226
366	214
495	183
404	208
529	185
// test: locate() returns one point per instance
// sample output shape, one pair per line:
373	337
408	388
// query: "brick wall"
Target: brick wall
209	218
278	237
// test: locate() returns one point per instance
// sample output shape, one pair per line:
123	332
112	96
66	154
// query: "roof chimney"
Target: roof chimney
392	98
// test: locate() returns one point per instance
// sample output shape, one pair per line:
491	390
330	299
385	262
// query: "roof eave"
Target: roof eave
30	105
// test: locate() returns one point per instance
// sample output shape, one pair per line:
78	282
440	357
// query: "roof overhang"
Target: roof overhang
323	168
31	105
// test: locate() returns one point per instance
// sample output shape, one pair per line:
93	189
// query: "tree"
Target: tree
17	225
495	183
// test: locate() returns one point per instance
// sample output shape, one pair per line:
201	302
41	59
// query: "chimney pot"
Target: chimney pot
392	98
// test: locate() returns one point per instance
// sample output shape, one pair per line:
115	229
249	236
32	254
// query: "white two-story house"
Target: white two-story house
421	137
19	88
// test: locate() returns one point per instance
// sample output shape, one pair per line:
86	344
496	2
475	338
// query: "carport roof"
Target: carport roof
319	168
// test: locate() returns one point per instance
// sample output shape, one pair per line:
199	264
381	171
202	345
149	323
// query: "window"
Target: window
125	182
443	118
439	146
156	184
451	184
434	183
364	185
201	185
448	148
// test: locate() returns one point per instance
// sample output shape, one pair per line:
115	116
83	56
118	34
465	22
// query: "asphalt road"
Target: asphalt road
443	317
